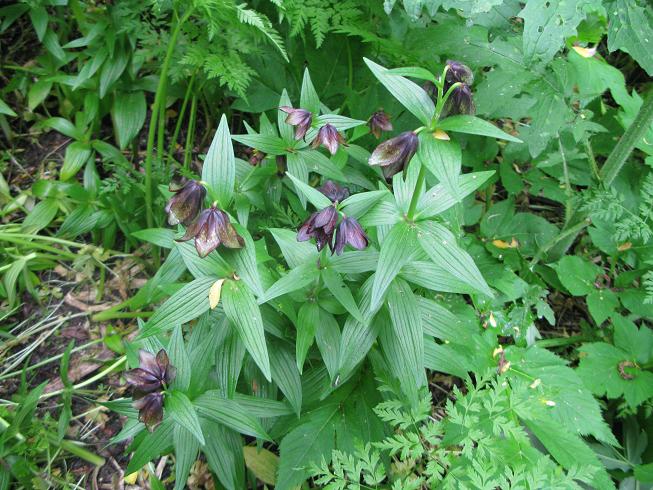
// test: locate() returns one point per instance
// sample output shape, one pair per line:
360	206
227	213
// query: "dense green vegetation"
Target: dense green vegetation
343	244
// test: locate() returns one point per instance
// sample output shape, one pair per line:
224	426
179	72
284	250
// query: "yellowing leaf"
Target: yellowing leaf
131	478
262	463
585	52
214	293
624	246
438	134
503	245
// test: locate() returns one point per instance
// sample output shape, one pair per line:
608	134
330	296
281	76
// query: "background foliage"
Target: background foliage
495	333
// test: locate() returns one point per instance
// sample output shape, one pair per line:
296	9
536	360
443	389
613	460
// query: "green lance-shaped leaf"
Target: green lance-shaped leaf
243	312
309	99
180	408
129	111
475	125
219	170
443	159
441	247
411	95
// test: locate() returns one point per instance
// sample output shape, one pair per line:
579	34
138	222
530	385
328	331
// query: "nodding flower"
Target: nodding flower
211	229
460	101
334	192
394	154
320	226
301	118
152	376
184	206
378	122
328	136
350	232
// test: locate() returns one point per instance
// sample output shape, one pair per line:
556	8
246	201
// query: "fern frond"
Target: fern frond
263	24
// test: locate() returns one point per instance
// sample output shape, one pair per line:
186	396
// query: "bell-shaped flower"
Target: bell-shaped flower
394	154
328	136
460	101
184	206
301	118
150	409
153	373
458	72
379	121
334	192
211	229
350	232
320	226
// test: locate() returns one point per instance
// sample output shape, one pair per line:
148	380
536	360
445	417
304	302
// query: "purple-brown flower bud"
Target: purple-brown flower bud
300	118
458	72
334	192
328	136
150	409
350	232
211	229
186	203
379	121
256	157
460	101
320	226
153	375
394	154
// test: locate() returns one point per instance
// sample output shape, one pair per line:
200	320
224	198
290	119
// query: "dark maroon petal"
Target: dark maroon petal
147	361
395	153
142	380
184	206
207	239
458	72
304	232
150	410
356	237
460	102
334	192
341	237
378	122
322	239
162	362
326	219
328	136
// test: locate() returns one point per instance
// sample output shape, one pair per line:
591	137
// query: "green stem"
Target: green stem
190	137
123	314
180	117
626	144
417	192
120	361
592	160
568	191
156	108
563	234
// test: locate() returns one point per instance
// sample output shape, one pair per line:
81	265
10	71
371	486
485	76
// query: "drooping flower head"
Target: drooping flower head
394	154
211	229
328	136
184	206
300	118
152	376
350	232
458	72
320	226
460	101
256	157
334	192
379	121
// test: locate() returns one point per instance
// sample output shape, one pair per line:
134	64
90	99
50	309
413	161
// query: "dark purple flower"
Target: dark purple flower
256	157
186	203
394	154
460	101
153	373
211	229
350	232
320	226
458	72
300	118
334	192
150	409
379	121
328	136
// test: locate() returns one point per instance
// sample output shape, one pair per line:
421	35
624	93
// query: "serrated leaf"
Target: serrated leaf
630	29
